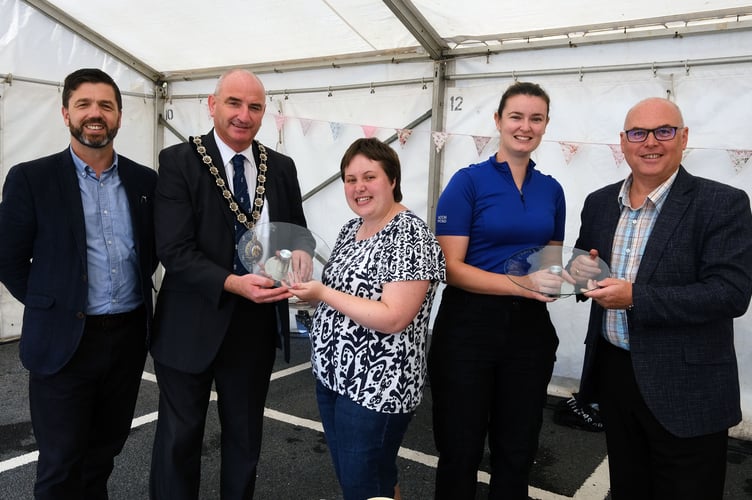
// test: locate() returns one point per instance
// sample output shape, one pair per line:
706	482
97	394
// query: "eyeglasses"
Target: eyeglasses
660	133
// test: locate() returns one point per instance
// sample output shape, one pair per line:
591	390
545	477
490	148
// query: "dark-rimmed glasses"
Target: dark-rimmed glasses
660	133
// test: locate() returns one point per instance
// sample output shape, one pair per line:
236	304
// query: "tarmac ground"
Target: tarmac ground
295	463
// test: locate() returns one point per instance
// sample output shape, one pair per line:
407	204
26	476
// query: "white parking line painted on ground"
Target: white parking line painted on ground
290	371
143	420
597	485
18	461
545	495
292	419
420	457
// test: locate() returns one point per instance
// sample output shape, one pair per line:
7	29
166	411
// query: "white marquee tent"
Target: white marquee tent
423	74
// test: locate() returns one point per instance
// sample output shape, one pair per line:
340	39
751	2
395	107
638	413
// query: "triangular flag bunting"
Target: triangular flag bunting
403	134
336	129
369	130
569	149
280	120
439	139
740	157
617	153
305	124
480	142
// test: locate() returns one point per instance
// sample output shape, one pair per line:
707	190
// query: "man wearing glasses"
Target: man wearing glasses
660	354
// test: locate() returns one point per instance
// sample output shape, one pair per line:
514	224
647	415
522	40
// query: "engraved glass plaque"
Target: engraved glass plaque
556	271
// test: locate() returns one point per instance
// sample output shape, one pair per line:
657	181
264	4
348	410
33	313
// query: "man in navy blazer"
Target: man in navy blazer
214	323
77	249
660	355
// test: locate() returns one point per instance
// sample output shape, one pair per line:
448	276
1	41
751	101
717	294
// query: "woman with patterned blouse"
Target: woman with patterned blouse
368	341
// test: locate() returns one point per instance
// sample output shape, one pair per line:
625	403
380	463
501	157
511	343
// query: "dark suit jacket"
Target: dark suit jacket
43	252
196	244
694	278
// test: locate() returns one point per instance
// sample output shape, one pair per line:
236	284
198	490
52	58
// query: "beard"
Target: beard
80	134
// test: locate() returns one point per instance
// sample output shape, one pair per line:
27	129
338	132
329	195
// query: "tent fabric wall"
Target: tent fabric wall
591	88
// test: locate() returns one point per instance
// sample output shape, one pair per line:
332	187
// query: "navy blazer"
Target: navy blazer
43	260
694	278
195	235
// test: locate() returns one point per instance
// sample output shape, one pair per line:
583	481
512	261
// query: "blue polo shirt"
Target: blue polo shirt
482	202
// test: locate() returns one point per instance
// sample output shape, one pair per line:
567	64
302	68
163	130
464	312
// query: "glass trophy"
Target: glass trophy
556	271
286	253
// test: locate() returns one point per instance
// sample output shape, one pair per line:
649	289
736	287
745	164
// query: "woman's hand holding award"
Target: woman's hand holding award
556	271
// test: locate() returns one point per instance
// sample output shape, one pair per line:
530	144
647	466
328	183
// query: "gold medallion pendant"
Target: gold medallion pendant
250	250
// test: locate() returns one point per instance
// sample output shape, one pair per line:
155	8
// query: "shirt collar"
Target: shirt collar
82	169
226	152
504	165
657	196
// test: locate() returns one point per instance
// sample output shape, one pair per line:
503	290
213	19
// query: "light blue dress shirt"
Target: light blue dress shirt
110	246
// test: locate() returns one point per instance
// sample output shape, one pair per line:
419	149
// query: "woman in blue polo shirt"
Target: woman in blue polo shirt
493	345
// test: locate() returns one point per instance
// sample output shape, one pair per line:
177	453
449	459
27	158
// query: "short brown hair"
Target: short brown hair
375	150
89	75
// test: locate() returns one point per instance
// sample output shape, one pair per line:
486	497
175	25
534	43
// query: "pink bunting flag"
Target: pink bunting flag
439	139
369	130
569	149
617	153
739	157
402	135
280	120
480	142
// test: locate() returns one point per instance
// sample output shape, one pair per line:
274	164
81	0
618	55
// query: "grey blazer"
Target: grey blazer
694	278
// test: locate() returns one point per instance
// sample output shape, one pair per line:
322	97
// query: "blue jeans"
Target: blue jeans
363	444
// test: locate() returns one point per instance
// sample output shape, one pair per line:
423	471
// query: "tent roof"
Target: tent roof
174	39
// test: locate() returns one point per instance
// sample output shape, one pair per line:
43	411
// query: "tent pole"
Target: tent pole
436	159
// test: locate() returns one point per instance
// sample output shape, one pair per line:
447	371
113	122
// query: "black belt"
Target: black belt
106	321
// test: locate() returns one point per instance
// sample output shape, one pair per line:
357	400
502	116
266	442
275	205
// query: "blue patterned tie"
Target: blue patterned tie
240	186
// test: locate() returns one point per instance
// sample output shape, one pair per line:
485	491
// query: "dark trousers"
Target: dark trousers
82	414
645	461
490	362
240	372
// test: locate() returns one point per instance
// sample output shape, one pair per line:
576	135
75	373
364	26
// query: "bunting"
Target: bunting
617	153
480	142
369	130
305	125
280	121
439	139
336	128
739	157
402	135
569	149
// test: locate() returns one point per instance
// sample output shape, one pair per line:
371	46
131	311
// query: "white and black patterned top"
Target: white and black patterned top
382	372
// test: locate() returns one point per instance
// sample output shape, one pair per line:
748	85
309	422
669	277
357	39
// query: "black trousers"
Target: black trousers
490	362
82	414
645	461
240	373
